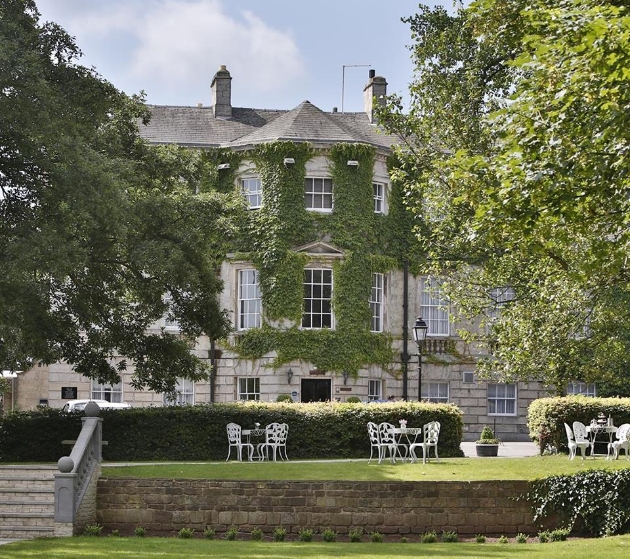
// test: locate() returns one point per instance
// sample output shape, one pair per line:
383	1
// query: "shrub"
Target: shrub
543	537
231	533
503	539
329	535
185	533
403	539
521	538
353	400
257	534
279	534
93	530
429	537
558	535
376	537
305	535
480	538
284	398
139	532
449	537
209	534
355	535
115	534
487	436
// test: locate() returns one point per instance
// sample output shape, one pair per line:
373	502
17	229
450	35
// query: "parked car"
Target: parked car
79	405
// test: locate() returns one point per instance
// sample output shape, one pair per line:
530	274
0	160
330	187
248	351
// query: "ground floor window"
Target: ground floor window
501	399
435	392
581	388
184	394
249	388
375	390
109	392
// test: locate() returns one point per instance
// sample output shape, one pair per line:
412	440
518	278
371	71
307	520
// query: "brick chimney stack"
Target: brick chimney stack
222	93
375	88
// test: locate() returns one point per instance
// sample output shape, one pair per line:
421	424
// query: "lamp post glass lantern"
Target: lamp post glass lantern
420	330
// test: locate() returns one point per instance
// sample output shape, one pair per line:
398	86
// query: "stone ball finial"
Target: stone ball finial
92	409
65	464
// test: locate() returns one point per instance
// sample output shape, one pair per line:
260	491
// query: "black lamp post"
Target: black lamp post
420	329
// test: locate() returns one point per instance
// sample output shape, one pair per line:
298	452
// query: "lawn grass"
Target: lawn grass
616	547
448	469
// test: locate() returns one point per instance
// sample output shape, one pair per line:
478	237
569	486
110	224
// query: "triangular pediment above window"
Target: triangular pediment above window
320	248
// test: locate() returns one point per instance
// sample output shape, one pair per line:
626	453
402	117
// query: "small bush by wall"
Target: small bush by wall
319	430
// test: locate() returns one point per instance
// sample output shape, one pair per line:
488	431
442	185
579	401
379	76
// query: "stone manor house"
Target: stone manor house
330	314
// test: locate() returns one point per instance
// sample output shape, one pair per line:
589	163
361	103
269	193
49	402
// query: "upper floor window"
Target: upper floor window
170	322
318	194
317	309
110	392
499	297
434	307
249	388
436	392
248	299
581	388
252	190
376	302
501	399
184	393
379	197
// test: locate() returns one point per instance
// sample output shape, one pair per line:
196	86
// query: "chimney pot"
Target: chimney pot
372	73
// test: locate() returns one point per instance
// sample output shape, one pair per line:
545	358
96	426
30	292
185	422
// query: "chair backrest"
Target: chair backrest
569	433
623	432
373	432
276	433
431	432
234	433
579	431
386	433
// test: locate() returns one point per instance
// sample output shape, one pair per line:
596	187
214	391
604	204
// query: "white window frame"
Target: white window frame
375	390
377	297
379	192
249	299
170	324
434	307
316	199
252	190
317	312
576	387
499	296
437	392
502	399
109	392
248	388
184	394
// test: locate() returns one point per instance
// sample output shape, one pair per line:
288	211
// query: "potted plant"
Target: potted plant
488	444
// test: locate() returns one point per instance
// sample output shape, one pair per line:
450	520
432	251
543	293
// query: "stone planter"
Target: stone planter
487	449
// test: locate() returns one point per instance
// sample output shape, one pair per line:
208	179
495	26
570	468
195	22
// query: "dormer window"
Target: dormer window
318	194
252	191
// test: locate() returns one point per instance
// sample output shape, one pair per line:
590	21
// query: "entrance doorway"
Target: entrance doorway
316	390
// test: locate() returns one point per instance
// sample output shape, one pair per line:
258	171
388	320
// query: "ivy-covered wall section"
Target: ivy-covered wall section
270	235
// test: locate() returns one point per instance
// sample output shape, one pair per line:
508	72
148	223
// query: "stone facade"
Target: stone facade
163	507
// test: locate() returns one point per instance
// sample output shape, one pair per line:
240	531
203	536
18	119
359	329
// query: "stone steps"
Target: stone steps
27	502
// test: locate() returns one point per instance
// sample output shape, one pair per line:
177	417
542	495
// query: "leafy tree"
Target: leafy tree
517	146
95	225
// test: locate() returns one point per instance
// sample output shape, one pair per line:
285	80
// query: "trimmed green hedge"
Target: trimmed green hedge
546	416
320	430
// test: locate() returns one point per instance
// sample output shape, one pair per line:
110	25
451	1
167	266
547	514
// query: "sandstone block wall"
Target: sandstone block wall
163	507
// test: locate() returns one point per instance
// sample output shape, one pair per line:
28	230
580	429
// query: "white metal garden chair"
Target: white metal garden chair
574	442
622	442
234	441
431	434
276	440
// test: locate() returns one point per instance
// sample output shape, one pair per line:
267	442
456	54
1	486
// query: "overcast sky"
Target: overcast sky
279	52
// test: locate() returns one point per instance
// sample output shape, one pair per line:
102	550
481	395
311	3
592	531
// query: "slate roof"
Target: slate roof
197	126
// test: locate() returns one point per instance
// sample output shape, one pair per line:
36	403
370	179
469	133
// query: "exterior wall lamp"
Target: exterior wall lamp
289	376
420	330
223	166
353	163
289	160
345	374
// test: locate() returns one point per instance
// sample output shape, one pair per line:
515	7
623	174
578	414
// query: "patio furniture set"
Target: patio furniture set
402	442
275	440
600	431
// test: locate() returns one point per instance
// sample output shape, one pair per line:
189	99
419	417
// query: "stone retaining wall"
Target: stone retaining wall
163	506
